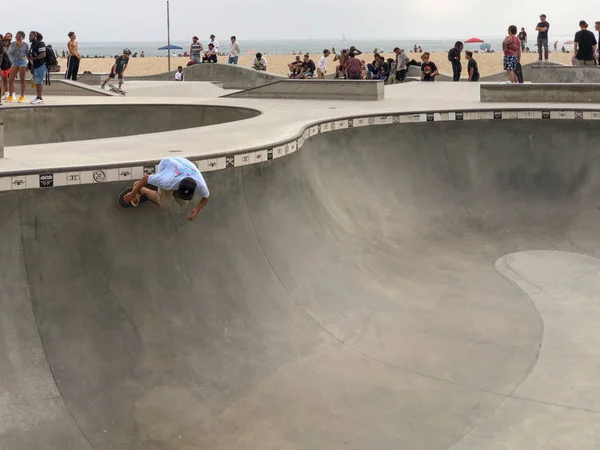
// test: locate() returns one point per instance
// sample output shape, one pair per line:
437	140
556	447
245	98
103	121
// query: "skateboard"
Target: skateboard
116	90
519	73
143	198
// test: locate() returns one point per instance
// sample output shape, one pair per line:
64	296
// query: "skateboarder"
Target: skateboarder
118	69
176	178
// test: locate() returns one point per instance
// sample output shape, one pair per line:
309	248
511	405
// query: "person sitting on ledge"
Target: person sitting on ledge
210	56
295	68
260	63
308	68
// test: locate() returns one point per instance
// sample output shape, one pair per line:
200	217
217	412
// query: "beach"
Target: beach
489	63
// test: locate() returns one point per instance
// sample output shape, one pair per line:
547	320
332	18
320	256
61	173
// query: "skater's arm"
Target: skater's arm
137	187
194	212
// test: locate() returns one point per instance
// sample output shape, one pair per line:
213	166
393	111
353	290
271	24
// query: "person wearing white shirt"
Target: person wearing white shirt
322	65
234	51
260	63
179	74
214	42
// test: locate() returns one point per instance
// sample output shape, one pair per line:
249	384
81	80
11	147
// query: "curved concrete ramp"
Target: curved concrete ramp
232	76
47	124
345	296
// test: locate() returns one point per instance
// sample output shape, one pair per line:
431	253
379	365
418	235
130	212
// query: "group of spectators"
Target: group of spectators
16	58
211	55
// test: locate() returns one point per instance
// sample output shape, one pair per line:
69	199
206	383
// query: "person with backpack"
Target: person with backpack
454	58
5	65
37	57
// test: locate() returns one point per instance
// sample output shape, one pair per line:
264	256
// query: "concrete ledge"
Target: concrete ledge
317	90
232	76
68	88
545	73
540	93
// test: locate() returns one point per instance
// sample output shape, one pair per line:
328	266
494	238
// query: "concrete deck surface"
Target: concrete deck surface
404	286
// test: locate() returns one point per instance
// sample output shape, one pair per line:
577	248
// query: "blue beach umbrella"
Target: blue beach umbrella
171	47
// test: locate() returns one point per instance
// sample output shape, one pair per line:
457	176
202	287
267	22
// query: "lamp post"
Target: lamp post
168	36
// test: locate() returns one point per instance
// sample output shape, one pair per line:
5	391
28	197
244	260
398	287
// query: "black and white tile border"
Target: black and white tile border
127	173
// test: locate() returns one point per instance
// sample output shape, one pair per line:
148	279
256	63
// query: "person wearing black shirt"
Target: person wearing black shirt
428	69
472	67
523	39
454	58
37	58
585	45
308	68
118	69
542	41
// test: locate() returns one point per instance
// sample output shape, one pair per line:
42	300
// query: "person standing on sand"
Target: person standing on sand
454	58
523	39
196	50
73	59
234	51
542	40
322	65
17	53
512	53
585	45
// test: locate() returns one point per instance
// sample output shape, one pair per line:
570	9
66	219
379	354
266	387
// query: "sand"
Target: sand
489	63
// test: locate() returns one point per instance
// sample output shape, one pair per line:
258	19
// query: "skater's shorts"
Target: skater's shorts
165	197
510	63
119	75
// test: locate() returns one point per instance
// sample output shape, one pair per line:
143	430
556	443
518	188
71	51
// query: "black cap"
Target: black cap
186	190
583	23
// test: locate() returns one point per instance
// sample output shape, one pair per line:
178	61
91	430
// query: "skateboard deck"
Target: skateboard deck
124	204
116	90
519	73
143	198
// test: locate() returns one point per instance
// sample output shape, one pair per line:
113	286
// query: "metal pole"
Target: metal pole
168	35
1	139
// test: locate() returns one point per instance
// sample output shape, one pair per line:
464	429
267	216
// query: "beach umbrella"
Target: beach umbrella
171	47
473	40
569	43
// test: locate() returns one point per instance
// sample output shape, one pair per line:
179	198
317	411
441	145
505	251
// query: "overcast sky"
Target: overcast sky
144	20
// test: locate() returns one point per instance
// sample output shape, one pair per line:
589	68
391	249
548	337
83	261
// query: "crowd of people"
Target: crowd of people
17	57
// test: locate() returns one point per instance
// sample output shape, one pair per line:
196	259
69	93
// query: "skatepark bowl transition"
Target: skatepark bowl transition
412	286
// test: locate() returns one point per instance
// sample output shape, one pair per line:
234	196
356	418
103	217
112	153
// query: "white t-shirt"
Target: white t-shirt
172	170
216	44
234	49
322	66
178	76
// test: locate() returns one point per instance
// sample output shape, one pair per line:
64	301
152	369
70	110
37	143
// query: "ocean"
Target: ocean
283	47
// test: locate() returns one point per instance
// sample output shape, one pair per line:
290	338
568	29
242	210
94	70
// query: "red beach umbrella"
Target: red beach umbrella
473	41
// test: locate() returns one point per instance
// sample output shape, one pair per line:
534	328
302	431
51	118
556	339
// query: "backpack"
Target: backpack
51	59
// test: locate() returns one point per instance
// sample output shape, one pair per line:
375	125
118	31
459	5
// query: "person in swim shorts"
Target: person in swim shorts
176	178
